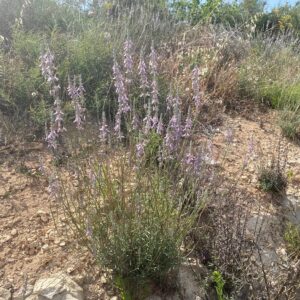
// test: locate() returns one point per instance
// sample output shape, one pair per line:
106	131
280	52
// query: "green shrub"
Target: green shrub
272	179
219	284
130	219
292	238
289	122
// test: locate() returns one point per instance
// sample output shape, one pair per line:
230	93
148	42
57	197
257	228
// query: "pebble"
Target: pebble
62	244
45	247
14	232
103	280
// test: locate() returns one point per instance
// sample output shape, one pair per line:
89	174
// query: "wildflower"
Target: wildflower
54	187
123	101
148	120
76	93
117	127
135	122
196	88
48	67
174	133
169	101
154	86
160	126
128	61
52	136
154	121
153	61
140	149
103	130
154	94
48	71
143	77
188	125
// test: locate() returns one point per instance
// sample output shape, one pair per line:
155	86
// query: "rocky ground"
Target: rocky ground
33	248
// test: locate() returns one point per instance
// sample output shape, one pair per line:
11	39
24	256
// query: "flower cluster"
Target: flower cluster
76	91
49	72
196	88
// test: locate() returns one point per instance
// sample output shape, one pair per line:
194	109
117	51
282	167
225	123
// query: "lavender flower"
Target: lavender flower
54	187
140	149
123	101
188	125
117	127
128	61
48	71
154	71
154	121
52	136
160	126
143	77
154	94
174	132
170	102
48	67
76	93
196	88
135	122
148	120
153	61
103	130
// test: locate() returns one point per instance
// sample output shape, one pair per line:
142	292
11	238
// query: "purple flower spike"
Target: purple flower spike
120	89
174	132
148	120
160	126
128	60
196	88
103	130
143	77
140	149
135	122
52	136
154	121
153	61
170	102
154	94
117	127
188	125
76	94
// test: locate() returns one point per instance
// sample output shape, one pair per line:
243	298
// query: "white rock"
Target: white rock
4	294
57	287
14	232
188	284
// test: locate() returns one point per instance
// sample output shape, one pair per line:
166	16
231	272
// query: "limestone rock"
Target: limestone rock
4	294
57	287
188	284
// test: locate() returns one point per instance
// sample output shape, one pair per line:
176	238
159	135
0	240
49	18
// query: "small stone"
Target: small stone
103	280
62	244
14	232
4	294
45	247
114	298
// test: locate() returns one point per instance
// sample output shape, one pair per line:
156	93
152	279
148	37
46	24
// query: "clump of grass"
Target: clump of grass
271	179
272	175
130	219
289	123
292	238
